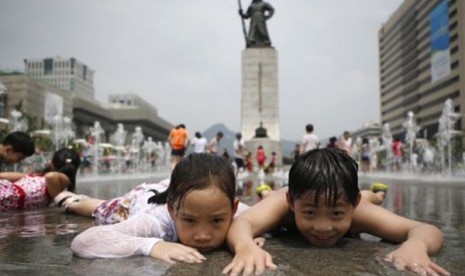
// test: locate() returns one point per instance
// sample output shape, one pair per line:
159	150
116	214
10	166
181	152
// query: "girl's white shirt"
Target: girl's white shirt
135	236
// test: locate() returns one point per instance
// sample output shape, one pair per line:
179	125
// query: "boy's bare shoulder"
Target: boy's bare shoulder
376	220
367	217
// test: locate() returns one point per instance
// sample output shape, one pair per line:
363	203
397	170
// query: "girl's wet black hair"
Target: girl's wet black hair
66	161
330	172
197	171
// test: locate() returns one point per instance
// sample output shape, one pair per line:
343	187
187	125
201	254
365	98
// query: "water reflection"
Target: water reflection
36	223
439	204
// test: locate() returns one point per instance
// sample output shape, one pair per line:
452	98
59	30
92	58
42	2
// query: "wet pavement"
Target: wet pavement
37	242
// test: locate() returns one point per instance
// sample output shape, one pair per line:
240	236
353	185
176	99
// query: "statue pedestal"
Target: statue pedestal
260	92
260	101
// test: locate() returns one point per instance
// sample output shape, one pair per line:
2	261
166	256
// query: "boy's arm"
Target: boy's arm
263	216
419	240
11	176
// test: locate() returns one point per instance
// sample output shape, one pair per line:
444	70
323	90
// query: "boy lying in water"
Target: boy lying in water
324	204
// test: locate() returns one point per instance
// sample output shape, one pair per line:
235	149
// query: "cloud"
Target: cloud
354	83
185	56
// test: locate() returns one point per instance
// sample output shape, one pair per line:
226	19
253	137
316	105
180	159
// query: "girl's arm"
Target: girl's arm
419	240
139	235
263	216
12	176
128	238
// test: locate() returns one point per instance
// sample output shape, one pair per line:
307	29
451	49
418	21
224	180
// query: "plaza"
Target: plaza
37	242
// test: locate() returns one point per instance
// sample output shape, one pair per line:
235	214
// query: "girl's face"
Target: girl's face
203	218
319	224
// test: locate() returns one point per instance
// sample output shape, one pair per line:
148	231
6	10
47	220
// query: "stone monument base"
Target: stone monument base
269	146
260	99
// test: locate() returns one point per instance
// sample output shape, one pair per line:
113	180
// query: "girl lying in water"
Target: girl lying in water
20	191
190	217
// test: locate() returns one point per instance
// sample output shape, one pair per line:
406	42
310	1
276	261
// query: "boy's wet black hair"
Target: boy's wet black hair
66	161
197	171
20	142
330	172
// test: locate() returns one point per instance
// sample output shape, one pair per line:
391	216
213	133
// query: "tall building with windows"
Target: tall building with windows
68	74
421	63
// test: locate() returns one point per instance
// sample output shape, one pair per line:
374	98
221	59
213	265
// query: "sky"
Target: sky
184	56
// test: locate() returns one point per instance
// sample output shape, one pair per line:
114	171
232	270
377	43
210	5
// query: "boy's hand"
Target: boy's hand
412	256
249	260
171	252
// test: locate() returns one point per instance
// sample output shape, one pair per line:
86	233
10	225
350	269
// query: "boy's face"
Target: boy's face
203	219
319	224
10	156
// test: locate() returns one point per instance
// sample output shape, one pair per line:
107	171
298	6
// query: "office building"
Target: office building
68	74
421	63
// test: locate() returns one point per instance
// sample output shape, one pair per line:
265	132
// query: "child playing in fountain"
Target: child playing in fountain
190	217
31	191
15	147
323	203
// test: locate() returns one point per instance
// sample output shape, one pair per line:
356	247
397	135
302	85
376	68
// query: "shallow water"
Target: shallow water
37	242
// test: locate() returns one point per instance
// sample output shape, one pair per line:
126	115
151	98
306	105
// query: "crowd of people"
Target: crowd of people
196	209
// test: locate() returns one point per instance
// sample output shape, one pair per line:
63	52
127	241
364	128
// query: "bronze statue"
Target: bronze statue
258	12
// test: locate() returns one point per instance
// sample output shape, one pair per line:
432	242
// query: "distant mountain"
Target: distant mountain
288	147
228	139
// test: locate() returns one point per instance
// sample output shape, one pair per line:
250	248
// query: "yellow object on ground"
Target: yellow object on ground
261	188
379	187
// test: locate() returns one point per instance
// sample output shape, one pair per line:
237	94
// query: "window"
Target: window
48	66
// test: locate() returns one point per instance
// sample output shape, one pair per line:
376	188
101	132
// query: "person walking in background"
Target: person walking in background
214	143
310	140
199	143
15	147
296	152
332	142
261	157
271	166
365	152
397	149
239	151
346	143
249	162
179	141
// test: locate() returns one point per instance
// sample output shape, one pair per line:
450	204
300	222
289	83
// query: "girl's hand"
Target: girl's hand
260	241
172	252
249	260
412	256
